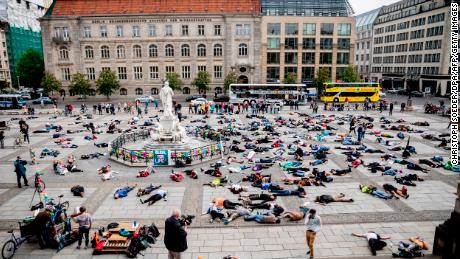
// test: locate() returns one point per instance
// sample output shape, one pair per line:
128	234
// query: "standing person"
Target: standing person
84	225
175	235
360	133
40	222
313	225
374	240
146	109
24	128
352	125
391	109
2	139
20	170
381	106
403	106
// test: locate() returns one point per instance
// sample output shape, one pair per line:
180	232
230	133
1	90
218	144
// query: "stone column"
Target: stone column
447	235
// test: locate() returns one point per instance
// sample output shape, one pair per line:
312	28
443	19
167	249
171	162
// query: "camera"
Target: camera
186	220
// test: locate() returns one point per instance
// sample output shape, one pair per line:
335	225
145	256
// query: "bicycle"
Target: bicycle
13	243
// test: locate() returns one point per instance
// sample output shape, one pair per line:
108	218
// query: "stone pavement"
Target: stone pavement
430	201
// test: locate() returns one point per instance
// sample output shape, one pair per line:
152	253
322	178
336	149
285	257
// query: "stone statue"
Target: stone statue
166	95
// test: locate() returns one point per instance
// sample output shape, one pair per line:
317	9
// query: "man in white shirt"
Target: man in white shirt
374	240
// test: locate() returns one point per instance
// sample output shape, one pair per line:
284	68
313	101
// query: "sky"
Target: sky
362	6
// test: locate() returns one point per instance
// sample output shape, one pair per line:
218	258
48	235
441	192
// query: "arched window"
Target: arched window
185	50
154	91
153	51
217	50
63	53
139	91
169	50
62	92
89	52
218	90
242	50
105	52
201	50
137	51
186	90
121	51
123	91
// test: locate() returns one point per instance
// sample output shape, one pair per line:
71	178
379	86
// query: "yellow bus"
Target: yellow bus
354	92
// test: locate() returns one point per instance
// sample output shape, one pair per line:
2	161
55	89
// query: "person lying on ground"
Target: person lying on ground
318	162
429	163
395	191
234	214
59	167
372	190
300	192
147	190
237	189
410	165
232	159
325	199
258	196
158	195
302	181
408	179
374	240
296	215
215	212
224	203
217	182
340	171
123	192
263	219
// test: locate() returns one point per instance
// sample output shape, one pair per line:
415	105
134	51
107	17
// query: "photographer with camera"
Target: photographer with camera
175	235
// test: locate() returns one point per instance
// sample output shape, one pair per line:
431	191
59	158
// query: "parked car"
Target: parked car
382	95
222	98
401	91
46	100
145	99
393	90
417	94
192	97
199	101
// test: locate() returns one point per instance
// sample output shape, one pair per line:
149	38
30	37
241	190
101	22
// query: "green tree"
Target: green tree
174	81
291	78
79	85
107	83
322	76
350	74
50	83
231	78
30	69
202	81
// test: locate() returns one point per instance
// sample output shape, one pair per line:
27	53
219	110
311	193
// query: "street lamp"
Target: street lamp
19	84
410	76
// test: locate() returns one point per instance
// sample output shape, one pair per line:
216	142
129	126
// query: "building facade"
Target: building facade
411	46
364	42
5	76
142	43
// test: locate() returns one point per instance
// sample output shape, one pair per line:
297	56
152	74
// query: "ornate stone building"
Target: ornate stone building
142	42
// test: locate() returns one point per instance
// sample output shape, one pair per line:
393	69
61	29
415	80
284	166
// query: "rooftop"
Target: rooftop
306	8
145	7
366	19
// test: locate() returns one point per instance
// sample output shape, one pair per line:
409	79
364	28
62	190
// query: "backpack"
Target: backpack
134	247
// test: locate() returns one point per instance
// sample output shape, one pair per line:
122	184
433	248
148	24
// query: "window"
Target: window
201	30
325	43
273	43
105	68
308	58
309	29
290	43
344	29
186	90
217	50
103	30
242	50
343	43
139	91
184	30
185	72
169	69
201	68
218	90
120	31
122	74
273	29
90	73
65	32
136	31
65	74
343	58
121	51
137	51
87	32
169	50
339	73
201	51
217	30
123	91
152	31
153	51
435	31
218	71
153	72
63	53
243	29
185	50
291	29
168	30
327	29
308	73
290	58
289	70
273	57
308	43
105	52
325	58
89	52
273	74
154	91
137	73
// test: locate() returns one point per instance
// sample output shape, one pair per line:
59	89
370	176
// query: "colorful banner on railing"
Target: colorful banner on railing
160	157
